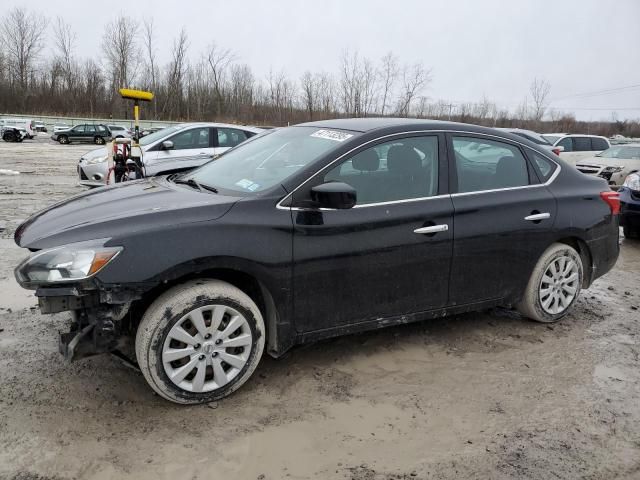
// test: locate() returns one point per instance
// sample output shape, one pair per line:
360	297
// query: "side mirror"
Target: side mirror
336	195
167	145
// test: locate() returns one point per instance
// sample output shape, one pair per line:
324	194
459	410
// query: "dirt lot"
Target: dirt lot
484	395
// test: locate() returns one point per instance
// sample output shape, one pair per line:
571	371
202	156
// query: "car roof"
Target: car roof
376	123
224	125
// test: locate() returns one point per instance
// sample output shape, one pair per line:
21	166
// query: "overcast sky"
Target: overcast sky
474	48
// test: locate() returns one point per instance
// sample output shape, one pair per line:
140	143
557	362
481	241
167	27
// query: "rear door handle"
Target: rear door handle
536	217
432	229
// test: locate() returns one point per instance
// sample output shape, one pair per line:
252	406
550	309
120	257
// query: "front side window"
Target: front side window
193	138
401	169
79	129
567	144
230	137
488	165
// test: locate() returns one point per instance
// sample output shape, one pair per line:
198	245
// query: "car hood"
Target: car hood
98	152
612	162
120	210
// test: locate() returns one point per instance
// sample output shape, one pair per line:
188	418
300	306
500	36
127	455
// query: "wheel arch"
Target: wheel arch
580	246
247	282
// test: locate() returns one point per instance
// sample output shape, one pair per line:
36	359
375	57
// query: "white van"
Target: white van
26	124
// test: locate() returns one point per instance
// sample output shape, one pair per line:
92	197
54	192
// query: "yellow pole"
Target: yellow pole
136	114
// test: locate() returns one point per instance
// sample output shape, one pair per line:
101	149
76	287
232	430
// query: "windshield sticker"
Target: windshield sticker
332	135
248	185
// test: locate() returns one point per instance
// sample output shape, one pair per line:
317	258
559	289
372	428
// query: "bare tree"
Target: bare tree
121	50
388	75
22	35
539	91
414	80
219	60
148	40
64	44
176	73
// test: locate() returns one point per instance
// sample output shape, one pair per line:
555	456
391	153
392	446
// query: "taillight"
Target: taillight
613	200
556	151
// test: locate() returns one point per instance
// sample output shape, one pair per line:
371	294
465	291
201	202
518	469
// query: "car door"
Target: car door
227	138
503	218
89	133
191	148
387	256
76	134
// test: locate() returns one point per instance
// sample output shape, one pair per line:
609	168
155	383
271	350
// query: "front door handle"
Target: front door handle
432	229
536	217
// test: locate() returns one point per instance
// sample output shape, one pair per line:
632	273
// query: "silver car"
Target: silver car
614	164
172	149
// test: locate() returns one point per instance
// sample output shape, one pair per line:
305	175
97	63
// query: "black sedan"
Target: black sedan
314	231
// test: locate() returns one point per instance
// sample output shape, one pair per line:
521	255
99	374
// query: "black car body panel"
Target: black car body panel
325	272
629	208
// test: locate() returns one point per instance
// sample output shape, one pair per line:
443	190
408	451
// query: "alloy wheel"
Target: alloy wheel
559	284
207	348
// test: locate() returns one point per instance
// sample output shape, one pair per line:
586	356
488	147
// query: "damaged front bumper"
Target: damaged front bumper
95	328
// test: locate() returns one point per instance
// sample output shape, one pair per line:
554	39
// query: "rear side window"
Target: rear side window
230	137
488	165
599	144
544	166
581	144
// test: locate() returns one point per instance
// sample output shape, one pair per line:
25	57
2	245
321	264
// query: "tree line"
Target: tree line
211	84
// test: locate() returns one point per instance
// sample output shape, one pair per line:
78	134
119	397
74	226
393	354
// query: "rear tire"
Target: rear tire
9	137
200	341
554	284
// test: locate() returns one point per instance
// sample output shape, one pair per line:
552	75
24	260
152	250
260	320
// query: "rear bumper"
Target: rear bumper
604	251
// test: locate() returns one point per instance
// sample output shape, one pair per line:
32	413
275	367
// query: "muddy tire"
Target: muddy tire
554	285
200	341
63	139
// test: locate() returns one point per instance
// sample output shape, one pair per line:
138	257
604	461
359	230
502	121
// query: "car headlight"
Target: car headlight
632	182
613	169
69	263
93	161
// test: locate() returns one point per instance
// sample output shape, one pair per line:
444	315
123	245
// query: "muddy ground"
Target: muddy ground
483	395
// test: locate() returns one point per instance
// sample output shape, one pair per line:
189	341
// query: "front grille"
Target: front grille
589	169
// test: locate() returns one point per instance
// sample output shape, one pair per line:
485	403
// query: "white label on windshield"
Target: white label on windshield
332	135
248	185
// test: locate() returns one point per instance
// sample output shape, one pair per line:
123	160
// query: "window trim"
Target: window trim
289	195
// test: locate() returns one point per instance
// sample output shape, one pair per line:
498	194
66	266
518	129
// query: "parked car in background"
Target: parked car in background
170	150
148	131
614	164
533	137
13	134
25	124
61	126
98	134
577	147
630	206
40	127
118	131
314	231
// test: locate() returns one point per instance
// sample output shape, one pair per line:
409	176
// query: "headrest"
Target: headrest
403	159
366	161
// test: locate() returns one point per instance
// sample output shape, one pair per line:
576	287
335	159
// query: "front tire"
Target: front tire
99	141
554	285
200	341
63	139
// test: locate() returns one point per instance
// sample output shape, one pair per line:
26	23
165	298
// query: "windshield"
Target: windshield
621	152
552	139
268	160
160	134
